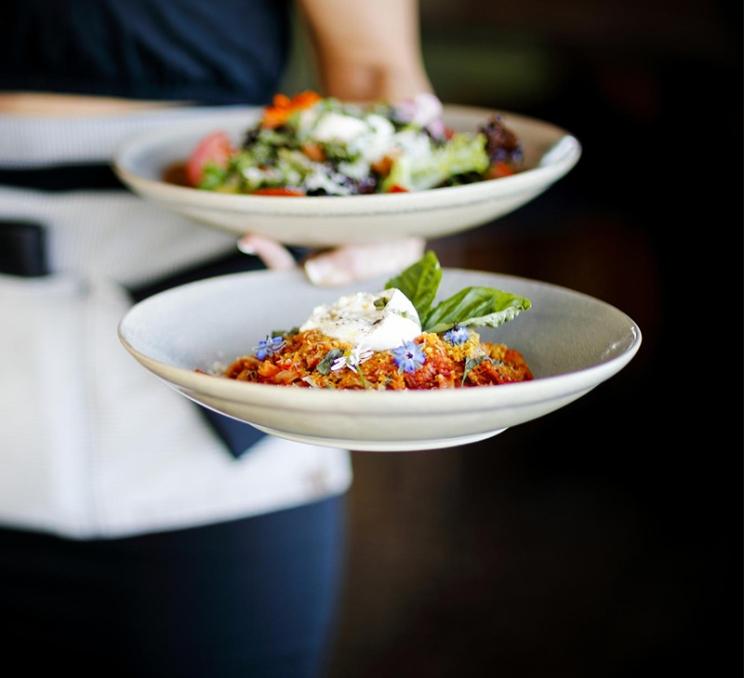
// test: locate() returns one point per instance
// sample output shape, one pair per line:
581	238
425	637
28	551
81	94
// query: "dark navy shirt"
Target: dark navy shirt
205	51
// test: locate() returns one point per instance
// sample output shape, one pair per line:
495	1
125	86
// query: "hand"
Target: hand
340	266
365	50
359	262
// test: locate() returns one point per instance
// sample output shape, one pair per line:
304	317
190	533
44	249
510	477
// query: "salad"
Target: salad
395	339
308	145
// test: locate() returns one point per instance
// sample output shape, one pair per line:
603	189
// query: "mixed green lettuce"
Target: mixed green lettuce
320	146
462	154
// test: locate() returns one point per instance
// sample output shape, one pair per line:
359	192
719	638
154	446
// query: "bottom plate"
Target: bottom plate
572	343
377	446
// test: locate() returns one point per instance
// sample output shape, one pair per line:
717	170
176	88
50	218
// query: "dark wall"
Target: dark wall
604	539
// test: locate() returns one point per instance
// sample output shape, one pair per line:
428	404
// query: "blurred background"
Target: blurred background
604	539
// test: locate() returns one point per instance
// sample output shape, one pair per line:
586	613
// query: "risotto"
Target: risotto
393	340
312	360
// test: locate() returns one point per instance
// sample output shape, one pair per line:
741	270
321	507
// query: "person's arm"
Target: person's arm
367	49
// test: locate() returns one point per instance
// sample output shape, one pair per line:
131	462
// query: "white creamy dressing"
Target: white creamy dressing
359	169
255	176
338	127
355	319
414	145
372	137
330	183
377	141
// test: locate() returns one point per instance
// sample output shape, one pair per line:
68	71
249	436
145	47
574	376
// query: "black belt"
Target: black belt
59	178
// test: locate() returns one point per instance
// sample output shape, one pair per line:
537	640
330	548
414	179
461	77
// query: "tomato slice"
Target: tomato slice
293	192
395	188
215	148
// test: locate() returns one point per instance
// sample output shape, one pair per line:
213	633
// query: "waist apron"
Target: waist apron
136	538
92	444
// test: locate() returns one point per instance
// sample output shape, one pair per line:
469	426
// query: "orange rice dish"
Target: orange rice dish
313	360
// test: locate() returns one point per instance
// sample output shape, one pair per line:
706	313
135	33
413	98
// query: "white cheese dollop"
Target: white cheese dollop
415	145
356	319
338	127
332	184
377	141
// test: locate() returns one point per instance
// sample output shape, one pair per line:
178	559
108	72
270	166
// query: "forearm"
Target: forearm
367	49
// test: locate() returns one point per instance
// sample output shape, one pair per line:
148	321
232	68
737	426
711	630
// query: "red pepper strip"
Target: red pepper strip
289	192
499	169
277	114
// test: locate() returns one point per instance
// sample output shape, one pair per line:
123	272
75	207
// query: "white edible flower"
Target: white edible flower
352	359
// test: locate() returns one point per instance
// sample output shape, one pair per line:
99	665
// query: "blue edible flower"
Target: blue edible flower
409	357
457	335
267	347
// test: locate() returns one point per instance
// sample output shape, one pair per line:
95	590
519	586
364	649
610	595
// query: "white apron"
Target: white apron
91	444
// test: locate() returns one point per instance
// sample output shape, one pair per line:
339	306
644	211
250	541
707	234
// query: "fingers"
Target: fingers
271	253
341	266
359	262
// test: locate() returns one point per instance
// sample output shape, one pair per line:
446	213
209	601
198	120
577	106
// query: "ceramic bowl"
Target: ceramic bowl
550	152
571	341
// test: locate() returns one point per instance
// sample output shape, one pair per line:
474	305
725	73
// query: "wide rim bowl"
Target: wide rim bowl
416	406
550	152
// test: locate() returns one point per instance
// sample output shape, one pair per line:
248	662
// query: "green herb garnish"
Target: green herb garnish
477	307
471	364
419	282
471	306
213	176
285	333
324	366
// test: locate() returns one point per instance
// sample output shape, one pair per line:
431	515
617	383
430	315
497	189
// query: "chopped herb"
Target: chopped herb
285	333
381	302
363	379
325	365
471	364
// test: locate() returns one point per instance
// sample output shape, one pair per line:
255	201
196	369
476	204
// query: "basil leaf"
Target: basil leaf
475	306
324	366
419	282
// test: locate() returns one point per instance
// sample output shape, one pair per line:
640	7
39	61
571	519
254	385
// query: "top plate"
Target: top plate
549	151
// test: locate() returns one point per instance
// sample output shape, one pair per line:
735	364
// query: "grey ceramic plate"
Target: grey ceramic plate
571	341
550	152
